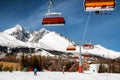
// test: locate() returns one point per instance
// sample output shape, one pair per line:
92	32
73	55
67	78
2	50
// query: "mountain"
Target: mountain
55	41
18	32
49	40
37	35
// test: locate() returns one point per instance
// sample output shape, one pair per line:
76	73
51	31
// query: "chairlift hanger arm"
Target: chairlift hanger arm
49	5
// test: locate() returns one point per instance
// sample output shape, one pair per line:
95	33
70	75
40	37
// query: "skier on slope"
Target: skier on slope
35	71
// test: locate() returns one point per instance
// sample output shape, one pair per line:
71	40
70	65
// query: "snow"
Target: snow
55	42
58	76
7	40
103	52
39	53
43	53
10	41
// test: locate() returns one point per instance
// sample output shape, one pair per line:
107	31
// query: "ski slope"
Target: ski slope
58	76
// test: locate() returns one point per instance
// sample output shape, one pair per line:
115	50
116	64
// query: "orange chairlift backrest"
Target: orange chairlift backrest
71	48
100	3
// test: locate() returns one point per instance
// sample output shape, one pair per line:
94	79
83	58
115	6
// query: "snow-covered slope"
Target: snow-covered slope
55	41
17	36
10	41
102	52
57	76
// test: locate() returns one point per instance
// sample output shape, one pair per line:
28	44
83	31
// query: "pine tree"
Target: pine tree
1	66
11	68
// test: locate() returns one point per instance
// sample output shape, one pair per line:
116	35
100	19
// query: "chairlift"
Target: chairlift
53	18
99	5
86	56
88	46
75	57
71	48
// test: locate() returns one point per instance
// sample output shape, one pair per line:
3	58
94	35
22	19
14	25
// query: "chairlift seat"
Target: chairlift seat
88	46
86	56
71	48
99	5
75	57
53	19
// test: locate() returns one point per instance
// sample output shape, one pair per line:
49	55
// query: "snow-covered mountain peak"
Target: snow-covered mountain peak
33	33
44	30
37	35
18	32
15	29
55	41
18	27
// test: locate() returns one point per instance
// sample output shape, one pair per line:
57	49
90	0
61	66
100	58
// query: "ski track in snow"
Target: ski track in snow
58	76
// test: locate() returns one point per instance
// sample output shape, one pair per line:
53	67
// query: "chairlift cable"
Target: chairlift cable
54	7
86	27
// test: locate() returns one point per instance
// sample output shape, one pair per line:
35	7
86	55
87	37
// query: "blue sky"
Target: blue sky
102	29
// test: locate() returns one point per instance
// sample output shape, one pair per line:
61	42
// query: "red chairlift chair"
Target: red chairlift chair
88	46
53	19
